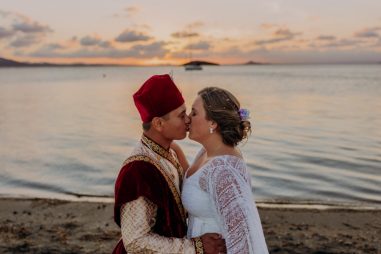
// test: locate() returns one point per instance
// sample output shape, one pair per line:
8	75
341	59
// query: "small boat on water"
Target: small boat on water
193	67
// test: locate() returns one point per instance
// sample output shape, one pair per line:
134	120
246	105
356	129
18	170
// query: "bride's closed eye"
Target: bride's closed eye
192	113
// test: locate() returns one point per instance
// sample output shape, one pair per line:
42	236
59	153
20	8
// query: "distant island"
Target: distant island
252	63
11	63
6	62
200	63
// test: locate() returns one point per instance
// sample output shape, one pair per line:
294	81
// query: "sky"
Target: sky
163	32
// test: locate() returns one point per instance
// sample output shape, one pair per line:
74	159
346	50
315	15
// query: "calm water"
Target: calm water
317	129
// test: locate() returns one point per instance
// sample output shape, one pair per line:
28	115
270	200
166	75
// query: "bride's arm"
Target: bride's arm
180	155
238	217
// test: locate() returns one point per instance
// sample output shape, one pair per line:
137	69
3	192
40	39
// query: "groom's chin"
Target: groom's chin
180	137
190	136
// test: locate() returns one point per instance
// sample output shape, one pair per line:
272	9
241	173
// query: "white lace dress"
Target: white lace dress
219	199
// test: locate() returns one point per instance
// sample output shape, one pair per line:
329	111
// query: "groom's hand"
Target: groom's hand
213	243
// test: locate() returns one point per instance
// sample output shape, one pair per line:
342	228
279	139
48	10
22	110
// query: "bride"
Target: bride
217	190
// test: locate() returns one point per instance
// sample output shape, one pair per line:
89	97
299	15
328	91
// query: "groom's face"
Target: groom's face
175	124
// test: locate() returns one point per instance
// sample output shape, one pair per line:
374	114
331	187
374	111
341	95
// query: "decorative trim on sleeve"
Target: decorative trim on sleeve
198	245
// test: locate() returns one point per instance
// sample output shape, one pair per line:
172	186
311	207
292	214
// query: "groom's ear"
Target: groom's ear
157	123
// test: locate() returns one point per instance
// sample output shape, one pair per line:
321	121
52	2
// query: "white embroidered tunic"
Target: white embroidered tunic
219	199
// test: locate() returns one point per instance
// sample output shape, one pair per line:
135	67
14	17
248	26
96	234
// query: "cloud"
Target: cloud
184	34
54	46
21	30
31	27
94	41
89	41
378	43
271	41
131	36
48	50
194	25
127	12
326	38
280	35
25	41
132	10
5	13
202	45
268	26
105	44
285	33
368	33
5	32
341	43
155	49
189	31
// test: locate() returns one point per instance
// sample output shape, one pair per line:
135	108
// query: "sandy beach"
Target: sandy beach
56	226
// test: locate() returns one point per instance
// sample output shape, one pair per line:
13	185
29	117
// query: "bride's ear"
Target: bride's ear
213	125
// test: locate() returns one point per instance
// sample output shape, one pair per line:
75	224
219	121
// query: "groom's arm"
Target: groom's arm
137	219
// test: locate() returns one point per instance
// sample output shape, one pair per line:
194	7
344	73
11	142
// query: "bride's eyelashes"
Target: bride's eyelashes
192	113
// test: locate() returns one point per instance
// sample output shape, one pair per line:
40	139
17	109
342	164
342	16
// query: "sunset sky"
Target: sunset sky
173	32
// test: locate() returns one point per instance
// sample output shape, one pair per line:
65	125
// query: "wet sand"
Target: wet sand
56	226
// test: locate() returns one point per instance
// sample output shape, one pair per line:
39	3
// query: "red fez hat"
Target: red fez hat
157	97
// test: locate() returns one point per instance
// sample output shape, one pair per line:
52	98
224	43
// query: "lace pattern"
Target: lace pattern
226	180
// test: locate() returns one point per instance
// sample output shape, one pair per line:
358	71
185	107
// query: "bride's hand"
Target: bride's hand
213	243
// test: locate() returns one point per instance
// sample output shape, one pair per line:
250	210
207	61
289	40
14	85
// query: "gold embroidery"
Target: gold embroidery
165	154
198	245
169	180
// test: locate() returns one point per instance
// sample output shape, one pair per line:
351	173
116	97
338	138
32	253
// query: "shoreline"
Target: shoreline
36	225
273	203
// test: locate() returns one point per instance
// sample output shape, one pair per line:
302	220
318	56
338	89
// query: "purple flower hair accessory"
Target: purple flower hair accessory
244	114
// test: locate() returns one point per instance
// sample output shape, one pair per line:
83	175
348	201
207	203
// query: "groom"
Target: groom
148	207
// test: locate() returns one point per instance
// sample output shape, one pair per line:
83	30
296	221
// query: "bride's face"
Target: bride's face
199	126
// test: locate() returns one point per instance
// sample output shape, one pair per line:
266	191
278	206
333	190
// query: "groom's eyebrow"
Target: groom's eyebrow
182	112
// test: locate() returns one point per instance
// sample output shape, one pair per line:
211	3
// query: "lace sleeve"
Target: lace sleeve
228	184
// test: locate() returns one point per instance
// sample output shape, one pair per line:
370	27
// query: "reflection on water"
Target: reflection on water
316	129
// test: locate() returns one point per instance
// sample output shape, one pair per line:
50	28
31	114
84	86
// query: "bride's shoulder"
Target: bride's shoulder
225	164
227	160
222	169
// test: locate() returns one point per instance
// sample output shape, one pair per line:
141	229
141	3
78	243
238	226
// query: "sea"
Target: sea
316	139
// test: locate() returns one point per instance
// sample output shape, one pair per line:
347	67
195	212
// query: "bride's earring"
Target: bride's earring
210	130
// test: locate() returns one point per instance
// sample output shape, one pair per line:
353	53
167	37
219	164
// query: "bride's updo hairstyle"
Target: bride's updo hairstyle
223	108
